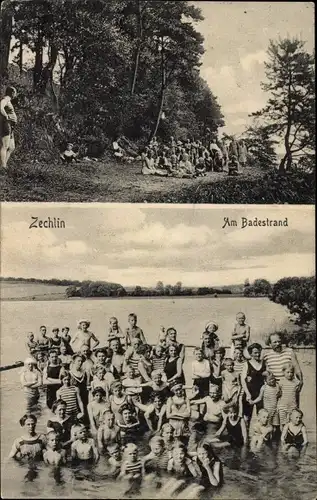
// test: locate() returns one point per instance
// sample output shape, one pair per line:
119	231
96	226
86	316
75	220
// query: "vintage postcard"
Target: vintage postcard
157	101
154	351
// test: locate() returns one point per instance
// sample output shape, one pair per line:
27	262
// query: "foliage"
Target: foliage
299	296
261	147
290	111
259	288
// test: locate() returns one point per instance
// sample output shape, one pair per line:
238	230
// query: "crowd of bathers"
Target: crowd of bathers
193	158
105	399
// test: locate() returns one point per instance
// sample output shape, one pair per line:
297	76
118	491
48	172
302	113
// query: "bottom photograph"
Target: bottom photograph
156	352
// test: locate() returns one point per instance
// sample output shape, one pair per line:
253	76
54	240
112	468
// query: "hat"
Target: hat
211	323
84	321
30	361
176	384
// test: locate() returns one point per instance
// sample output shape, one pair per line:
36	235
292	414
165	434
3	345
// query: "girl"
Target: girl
180	464
230	382
252	379
84	448
8	120
269	394
108	433
54	454
70	394
201	373
235	427
83	337
96	409
28	447
209	465
115	331
51	377
133	331
289	386
262	430
158	357
31	380
174	366
294	435
210	336
178	410
61	423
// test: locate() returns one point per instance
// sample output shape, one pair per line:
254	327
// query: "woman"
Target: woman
8	120
30	446
210	467
252	379
31	380
174	366
61	423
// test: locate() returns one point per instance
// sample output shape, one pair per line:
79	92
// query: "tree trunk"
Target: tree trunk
138	49
38	64
288	155
20	57
6	17
162	93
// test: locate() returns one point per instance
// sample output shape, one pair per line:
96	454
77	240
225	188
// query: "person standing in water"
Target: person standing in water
83	337
8	120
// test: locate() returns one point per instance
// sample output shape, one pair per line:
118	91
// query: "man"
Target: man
8	120
278	356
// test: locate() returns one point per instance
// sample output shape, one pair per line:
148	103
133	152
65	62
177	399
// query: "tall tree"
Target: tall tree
290	111
260	146
6	23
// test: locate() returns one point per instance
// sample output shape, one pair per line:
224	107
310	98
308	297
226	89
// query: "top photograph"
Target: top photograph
157	102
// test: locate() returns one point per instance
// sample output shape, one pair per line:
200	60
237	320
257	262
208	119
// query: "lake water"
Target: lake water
270	474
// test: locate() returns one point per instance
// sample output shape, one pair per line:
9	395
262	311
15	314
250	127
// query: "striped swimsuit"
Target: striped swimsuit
287	401
134	468
158	363
275	361
270	397
69	395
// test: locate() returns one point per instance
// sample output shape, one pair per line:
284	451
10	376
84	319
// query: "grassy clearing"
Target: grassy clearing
109	181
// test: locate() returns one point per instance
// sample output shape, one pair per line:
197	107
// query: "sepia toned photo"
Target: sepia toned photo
157	101
153	351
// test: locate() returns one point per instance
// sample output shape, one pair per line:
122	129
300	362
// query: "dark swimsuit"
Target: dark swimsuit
235	433
52	372
171	370
254	387
295	440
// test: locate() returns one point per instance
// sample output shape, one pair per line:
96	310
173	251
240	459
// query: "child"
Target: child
65	358
178	410
117	398
262	430
131	356
269	394
71	395
158	357
83	337
231	386
235	427
158	384
210	467
43	341
289	386
217	367
115	459
128	423
157	460
102	379
241	331
31	343
167	433
132	383
115	331
201	166
108	433
69	156
61	423
201	373
239	361
54	454
29	446
214	407
55	340
132	468
210	341
84	448
294	435
31	380
133	331
96	409
180	464
155	414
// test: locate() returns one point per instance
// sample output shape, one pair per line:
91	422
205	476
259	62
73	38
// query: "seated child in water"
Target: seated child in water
157	459
115	459
54	453
209	465
180	464
235	427
128	423
31	343
108	433
167	433
132	467
115	331
214	407
158	384
262	430
231	386
84	448
241	331
269	394
294	435
155	415
96	409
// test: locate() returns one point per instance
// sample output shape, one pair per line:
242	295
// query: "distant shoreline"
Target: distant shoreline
55	297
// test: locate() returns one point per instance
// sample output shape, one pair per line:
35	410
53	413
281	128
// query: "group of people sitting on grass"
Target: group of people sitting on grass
129	401
193	158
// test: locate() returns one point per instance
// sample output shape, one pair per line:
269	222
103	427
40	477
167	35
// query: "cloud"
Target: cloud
248	61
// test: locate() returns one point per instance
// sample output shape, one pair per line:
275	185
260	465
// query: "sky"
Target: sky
142	244
237	35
